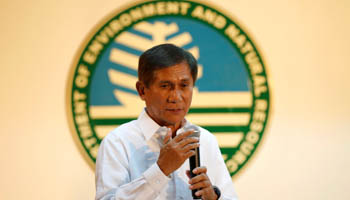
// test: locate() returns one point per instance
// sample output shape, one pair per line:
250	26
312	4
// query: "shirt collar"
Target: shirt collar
181	129
149	127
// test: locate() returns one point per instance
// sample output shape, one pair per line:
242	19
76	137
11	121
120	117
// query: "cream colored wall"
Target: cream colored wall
305	154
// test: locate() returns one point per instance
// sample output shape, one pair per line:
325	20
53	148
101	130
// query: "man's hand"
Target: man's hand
174	152
202	183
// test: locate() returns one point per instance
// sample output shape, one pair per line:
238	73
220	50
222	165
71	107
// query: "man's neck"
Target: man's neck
173	127
176	127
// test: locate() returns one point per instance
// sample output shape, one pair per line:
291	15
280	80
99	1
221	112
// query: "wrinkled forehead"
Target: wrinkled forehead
178	72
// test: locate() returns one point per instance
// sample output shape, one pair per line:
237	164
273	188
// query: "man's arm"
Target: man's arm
213	172
112	175
113	178
221	176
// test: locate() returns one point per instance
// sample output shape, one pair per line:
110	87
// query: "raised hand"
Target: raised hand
174	152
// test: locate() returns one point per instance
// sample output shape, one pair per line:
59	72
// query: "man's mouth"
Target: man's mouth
174	109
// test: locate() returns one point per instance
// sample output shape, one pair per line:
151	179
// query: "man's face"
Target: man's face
169	95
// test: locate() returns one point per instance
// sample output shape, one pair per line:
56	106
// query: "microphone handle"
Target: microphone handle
194	162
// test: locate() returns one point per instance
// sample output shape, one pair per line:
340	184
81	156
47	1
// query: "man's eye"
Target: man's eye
184	85
164	86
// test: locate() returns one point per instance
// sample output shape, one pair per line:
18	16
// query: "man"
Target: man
148	158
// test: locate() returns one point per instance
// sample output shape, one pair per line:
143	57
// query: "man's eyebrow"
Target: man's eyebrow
164	81
182	80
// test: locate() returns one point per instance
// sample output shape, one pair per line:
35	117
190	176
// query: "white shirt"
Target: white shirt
126	165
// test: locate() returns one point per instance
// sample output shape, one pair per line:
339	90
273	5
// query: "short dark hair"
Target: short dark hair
163	56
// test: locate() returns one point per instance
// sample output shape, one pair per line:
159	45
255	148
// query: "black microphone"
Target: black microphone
194	160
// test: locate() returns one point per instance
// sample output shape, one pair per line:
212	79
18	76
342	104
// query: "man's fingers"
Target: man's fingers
190	146
167	137
183	135
186	141
201	175
201	192
198	178
200	185
200	170
189	154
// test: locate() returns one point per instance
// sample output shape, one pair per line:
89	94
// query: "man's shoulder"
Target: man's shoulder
123	131
205	132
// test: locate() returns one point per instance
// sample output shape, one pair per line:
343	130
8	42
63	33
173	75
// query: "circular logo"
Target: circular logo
231	97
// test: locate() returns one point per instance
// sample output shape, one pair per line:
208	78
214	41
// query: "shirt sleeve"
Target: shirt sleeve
113	179
220	176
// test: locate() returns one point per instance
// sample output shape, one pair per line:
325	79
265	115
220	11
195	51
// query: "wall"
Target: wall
305	44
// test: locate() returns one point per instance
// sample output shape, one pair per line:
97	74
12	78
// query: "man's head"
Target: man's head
166	78
163	56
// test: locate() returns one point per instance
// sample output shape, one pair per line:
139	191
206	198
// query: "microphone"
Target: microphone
194	160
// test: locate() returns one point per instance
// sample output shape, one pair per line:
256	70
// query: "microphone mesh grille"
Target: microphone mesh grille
195	129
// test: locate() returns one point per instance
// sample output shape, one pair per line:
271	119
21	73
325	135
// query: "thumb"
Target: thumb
167	137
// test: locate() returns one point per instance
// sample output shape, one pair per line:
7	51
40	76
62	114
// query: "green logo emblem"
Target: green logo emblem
231	97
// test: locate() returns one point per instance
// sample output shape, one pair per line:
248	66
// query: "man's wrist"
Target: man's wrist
217	191
163	170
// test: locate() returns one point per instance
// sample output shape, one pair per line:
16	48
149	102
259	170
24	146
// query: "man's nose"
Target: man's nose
175	96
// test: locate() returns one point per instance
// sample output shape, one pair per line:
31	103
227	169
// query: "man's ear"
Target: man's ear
140	87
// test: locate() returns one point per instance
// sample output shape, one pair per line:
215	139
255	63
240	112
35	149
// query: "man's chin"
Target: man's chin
171	121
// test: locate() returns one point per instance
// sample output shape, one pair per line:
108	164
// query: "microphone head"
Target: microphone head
195	129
